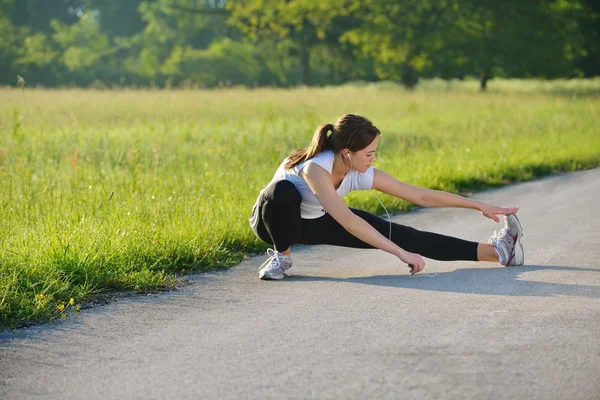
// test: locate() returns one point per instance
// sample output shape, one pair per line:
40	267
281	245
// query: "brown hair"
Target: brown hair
350	131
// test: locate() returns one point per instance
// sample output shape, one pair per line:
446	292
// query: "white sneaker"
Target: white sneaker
275	266
507	242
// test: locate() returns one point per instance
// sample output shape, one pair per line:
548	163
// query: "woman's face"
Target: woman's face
362	159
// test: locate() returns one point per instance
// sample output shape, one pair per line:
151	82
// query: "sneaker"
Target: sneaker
275	266
507	242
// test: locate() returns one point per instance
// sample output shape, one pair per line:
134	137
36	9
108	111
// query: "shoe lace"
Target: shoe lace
498	235
500	245
275	263
273	259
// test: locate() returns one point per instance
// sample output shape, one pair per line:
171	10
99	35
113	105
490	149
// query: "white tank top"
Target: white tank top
310	208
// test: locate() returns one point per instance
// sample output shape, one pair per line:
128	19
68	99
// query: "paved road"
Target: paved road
351	324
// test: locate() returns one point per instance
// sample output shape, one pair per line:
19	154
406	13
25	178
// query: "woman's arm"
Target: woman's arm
385	183
319	181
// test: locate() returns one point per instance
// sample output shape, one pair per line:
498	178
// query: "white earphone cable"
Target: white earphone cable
390	234
390	220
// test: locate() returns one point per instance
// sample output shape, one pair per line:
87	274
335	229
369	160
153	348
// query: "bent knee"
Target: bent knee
285	192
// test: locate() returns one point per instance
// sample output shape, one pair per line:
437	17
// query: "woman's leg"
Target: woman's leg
486	252
276	220
326	230
279	220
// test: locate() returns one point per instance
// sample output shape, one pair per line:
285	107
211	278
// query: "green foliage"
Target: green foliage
456	38
131	42
82	44
37	51
505	37
402	36
224	62
304	24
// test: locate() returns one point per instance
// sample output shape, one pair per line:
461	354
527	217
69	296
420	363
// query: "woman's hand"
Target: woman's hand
491	211
415	262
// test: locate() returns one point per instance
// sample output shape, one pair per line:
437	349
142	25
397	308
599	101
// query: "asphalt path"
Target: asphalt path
351	324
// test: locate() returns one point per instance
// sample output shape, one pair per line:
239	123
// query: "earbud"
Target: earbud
348	156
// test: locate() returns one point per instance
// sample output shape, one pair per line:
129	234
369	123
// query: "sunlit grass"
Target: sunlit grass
124	189
559	87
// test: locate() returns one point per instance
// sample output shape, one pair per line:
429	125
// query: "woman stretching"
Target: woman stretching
303	204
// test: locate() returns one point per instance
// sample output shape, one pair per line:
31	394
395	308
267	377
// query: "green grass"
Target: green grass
557	87
123	190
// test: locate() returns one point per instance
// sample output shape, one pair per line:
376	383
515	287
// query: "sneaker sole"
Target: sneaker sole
266	277
519	248
516	219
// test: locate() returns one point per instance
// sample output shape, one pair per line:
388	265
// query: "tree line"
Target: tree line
208	43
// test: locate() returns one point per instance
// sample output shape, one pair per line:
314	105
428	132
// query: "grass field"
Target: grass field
125	189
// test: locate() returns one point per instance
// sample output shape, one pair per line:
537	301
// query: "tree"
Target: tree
169	26
584	16
521	39
402	37
55	42
224	62
304	23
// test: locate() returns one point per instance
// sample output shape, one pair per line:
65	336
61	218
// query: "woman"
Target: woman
303	204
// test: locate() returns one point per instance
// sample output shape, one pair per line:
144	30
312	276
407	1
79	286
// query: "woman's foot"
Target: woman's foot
507	242
275	266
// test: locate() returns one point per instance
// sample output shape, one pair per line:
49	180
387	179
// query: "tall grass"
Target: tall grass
125	189
557	87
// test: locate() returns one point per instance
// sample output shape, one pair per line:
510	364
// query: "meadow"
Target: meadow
125	190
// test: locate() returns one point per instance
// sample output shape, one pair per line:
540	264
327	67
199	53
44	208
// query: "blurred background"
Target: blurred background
283	43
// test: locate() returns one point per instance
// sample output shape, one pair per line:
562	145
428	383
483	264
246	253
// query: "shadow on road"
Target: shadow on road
496	281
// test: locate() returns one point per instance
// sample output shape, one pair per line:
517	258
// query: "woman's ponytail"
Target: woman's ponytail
317	145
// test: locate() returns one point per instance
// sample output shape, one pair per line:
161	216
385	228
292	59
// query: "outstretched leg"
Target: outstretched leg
326	230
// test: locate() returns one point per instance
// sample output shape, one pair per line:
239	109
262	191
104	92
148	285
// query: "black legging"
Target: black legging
279	223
